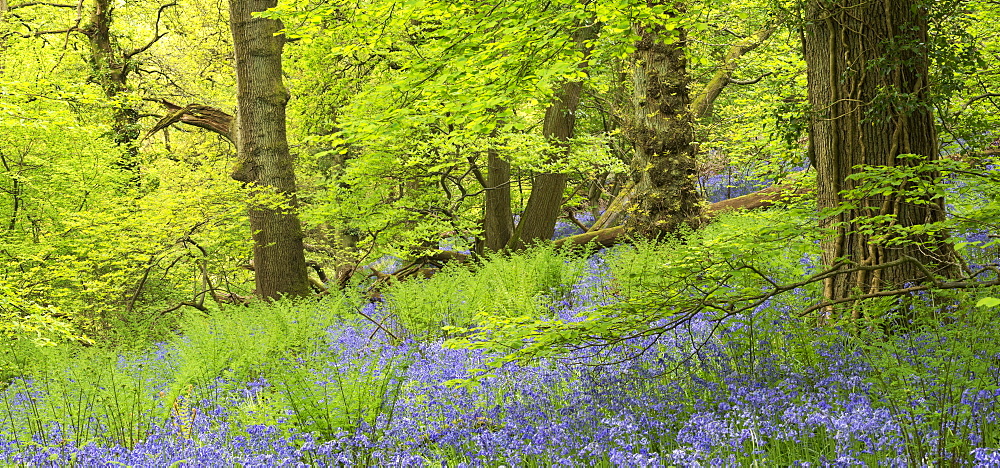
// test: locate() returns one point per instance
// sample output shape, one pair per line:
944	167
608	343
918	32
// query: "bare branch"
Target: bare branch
973	100
28	4
51	32
378	325
576	222
750	82
156	33
477	171
182	304
734	34
206	117
142	283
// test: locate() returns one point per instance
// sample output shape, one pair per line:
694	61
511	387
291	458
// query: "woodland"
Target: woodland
499	233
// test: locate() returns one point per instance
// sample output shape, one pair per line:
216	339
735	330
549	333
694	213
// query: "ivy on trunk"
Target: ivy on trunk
868	87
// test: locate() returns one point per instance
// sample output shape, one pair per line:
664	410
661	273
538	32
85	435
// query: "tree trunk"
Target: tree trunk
660	128
111	68
498	220
608	237
867	70
264	161
538	222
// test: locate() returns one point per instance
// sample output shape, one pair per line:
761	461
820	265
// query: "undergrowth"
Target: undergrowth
318	382
500	285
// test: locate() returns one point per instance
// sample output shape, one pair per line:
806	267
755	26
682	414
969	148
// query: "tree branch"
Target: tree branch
701	105
156	33
206	117
750	82
973	100
51	32
28	4
476	171
576	222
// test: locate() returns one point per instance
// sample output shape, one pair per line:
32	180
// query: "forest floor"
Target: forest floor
314	383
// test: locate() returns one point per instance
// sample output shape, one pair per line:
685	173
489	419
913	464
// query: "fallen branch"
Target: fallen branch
757	200
760	199
594	239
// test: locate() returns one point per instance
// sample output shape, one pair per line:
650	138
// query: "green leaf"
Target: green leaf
988	302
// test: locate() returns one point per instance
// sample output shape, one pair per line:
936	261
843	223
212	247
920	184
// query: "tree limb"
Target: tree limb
750	82
701	105
205	117
182	304
51	32
476	171
28	4
576	222
156	33
142	283
973	100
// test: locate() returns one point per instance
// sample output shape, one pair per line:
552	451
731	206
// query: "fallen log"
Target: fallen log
603	237
616	235
760	199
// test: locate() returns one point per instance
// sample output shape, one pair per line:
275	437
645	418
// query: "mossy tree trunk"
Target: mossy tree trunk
660	128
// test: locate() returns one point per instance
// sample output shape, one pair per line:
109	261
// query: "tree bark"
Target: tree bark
538	221
498	220
702	105
660	128
111	69
867	81
206	117
264	161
